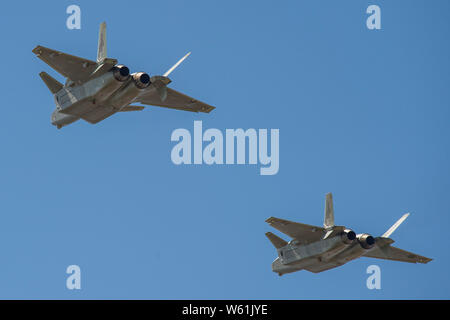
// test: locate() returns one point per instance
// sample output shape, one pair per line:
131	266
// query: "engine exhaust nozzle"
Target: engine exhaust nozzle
141	79
121	72
366	241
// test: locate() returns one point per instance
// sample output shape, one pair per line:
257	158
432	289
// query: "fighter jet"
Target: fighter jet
95	90
317	249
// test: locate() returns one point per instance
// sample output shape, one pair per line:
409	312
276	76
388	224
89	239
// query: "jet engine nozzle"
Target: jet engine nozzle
141	79
366	240
348	236
121	72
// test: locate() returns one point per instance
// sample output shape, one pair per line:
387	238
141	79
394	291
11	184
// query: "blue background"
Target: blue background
363	114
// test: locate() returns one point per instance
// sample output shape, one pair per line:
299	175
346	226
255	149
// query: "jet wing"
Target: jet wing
320	267
174	100
132	108
396	254
102	112
98	114
304	233
75	68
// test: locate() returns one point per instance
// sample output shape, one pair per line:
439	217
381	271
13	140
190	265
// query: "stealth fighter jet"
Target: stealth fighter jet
95	90
317	249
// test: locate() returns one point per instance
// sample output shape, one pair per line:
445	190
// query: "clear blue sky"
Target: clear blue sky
363	114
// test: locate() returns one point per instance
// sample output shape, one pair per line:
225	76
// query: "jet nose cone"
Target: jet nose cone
53	118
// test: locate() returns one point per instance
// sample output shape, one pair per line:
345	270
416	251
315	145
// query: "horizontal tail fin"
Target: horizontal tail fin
53	85
276	241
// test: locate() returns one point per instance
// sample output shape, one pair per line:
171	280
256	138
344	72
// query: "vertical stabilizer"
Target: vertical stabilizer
176	65
101	50
328	221
395	226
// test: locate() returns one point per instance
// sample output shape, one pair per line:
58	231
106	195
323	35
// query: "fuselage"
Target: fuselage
99	97
318	256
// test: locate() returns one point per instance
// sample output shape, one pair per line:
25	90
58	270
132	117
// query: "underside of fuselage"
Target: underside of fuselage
315	265
317	257
98	98
93	115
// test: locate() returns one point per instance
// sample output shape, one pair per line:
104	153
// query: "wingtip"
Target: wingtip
423	260
269	220
207	109
36	49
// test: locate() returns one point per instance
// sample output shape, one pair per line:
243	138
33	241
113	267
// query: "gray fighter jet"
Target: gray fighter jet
95	90
317	249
